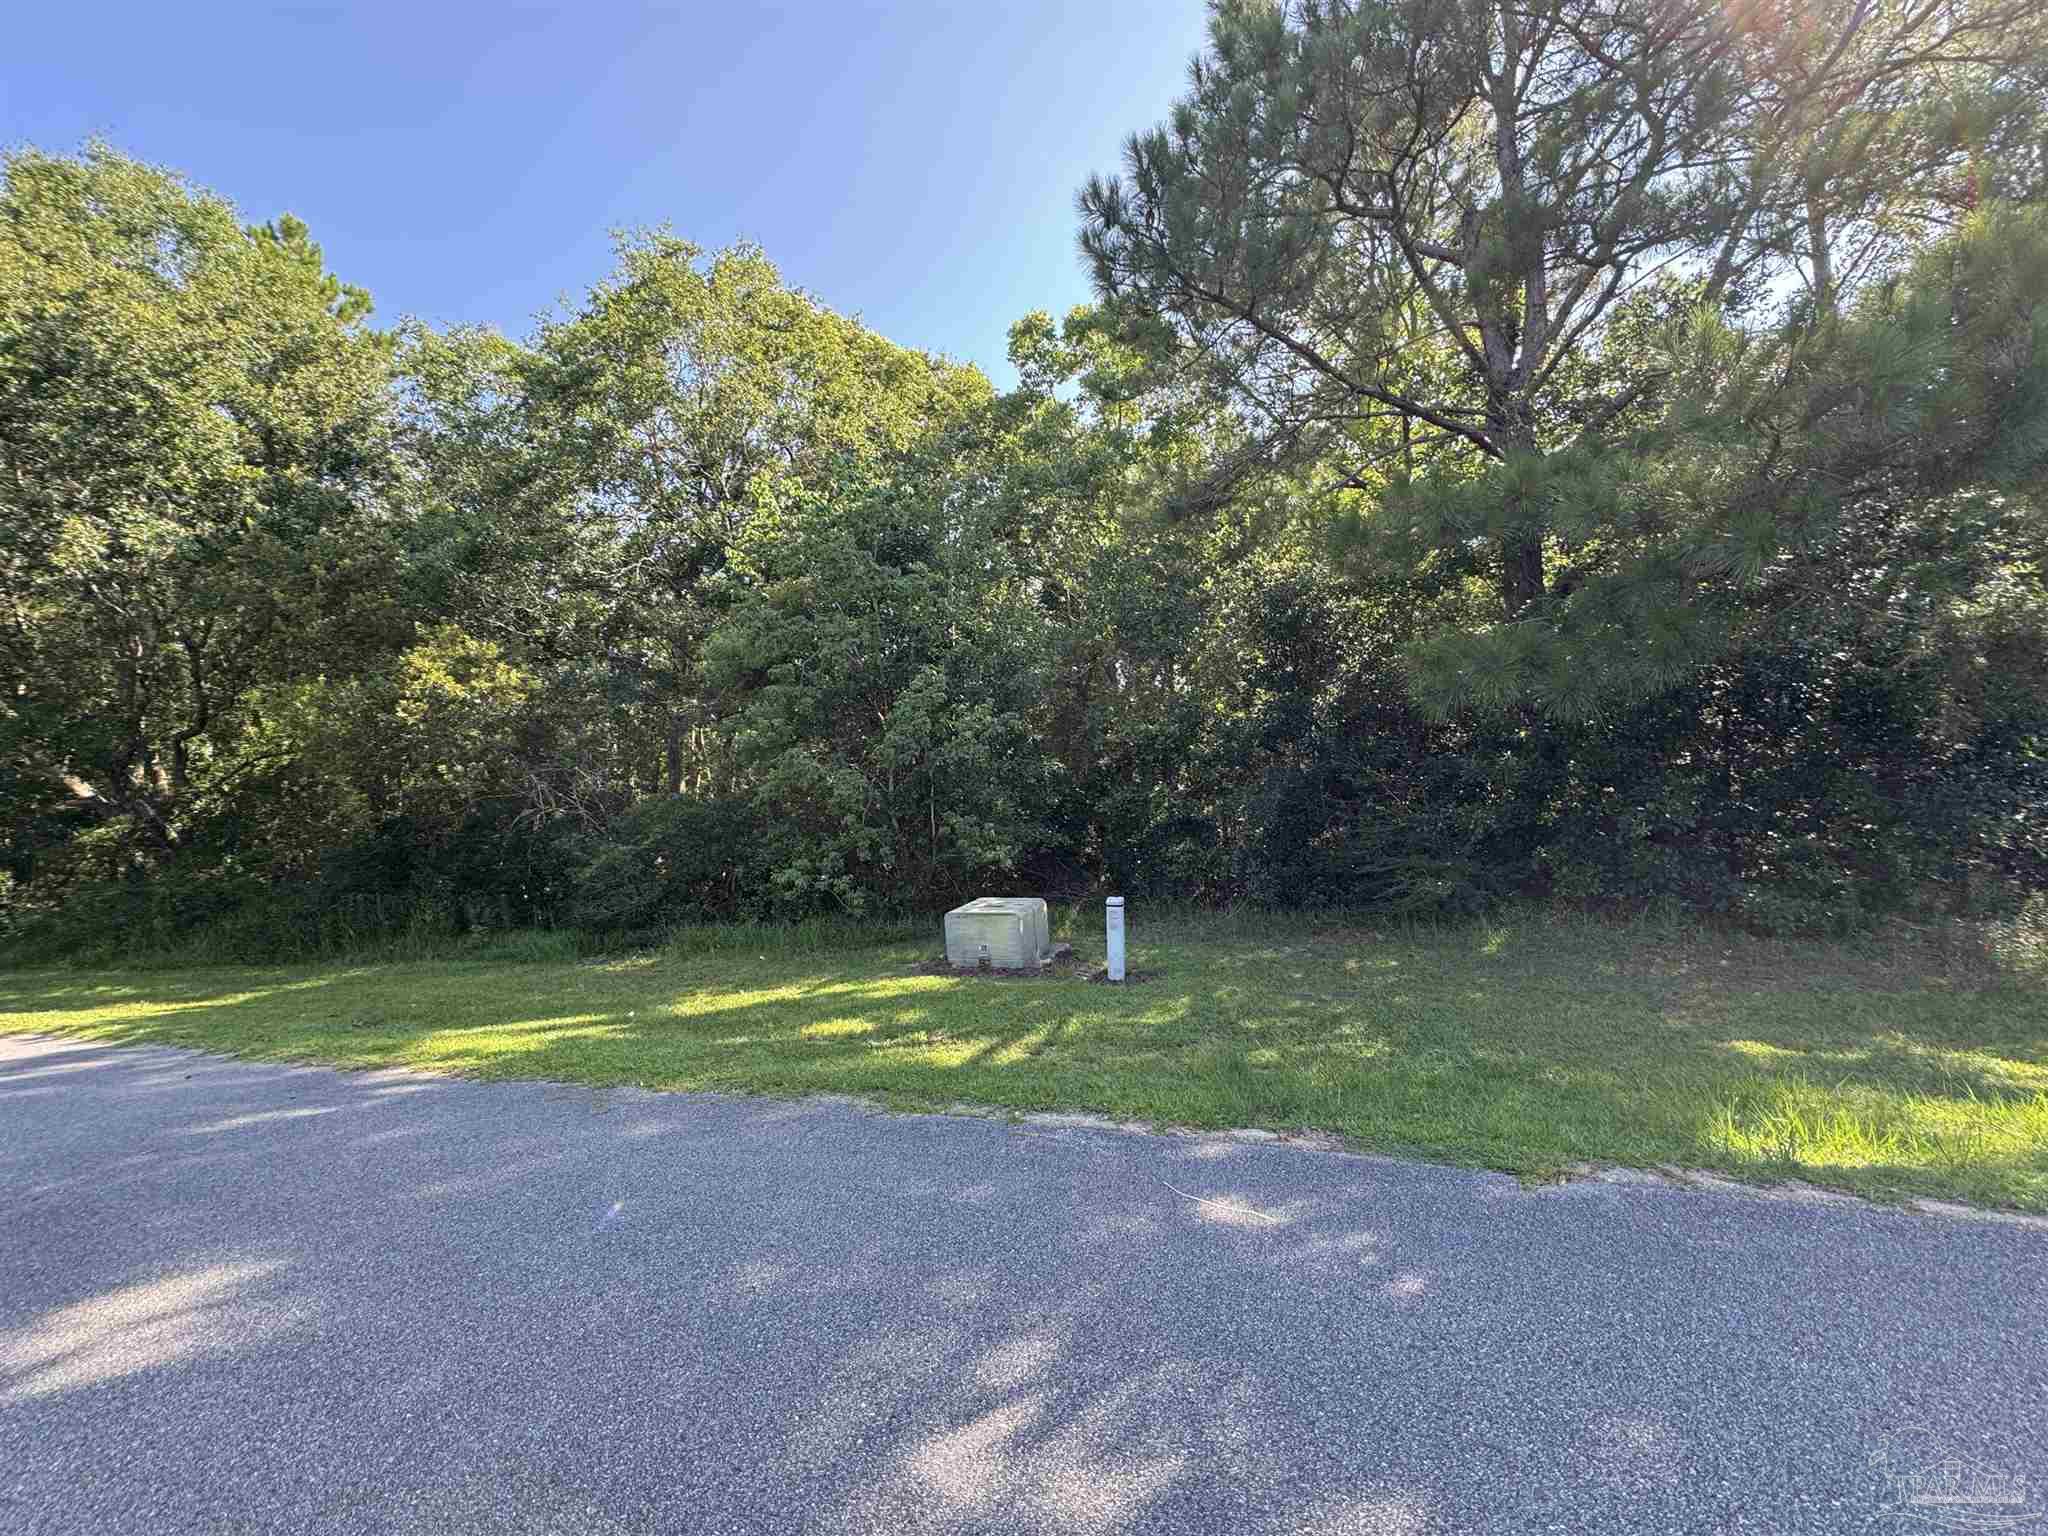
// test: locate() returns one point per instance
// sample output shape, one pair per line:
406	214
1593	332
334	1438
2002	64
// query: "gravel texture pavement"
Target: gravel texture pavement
238	1297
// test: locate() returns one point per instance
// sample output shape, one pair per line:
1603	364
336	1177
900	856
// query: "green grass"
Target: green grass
1531	1044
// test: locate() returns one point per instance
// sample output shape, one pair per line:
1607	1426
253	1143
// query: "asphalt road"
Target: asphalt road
242	1298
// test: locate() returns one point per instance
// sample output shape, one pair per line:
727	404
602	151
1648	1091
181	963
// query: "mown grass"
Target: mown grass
1528	1044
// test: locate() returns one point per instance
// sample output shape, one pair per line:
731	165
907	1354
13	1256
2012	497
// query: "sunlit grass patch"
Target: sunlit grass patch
1820	1130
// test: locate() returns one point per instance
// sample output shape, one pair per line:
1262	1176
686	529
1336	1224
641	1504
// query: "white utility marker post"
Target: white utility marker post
1113	922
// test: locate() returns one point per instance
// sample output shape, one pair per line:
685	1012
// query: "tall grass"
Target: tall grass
390	929
807	936
394	933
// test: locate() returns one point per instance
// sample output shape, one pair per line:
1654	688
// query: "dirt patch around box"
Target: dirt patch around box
1062	968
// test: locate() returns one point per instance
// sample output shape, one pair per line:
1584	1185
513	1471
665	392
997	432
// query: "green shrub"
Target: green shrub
671	861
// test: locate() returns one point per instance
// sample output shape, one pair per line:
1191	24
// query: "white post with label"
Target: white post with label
1113	922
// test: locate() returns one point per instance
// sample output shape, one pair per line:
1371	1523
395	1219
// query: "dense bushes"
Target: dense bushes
666	863
1824	771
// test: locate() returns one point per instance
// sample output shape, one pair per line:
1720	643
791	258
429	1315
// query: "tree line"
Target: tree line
1585	448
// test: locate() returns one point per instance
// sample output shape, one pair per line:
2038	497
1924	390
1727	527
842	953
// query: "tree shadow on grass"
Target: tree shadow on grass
1530	1070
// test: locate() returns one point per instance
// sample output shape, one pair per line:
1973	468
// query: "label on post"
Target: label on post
1113	924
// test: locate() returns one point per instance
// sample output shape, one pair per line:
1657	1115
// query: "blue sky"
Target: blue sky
912	162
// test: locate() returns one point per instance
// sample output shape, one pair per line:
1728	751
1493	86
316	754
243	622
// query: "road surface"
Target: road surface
238	1297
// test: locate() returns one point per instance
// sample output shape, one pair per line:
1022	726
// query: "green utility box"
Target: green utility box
1007	933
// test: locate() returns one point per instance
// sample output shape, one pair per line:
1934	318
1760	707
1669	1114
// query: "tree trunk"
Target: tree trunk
675	753
1521	545
1823	263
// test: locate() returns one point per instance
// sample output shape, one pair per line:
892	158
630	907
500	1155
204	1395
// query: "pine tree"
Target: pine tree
1495	273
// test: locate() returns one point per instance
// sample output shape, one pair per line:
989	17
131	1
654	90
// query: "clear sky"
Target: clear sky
911	161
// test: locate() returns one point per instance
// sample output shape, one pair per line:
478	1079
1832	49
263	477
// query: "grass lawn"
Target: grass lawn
1527	1044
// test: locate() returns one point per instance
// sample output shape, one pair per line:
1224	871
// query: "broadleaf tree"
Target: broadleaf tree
195	468
611	469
